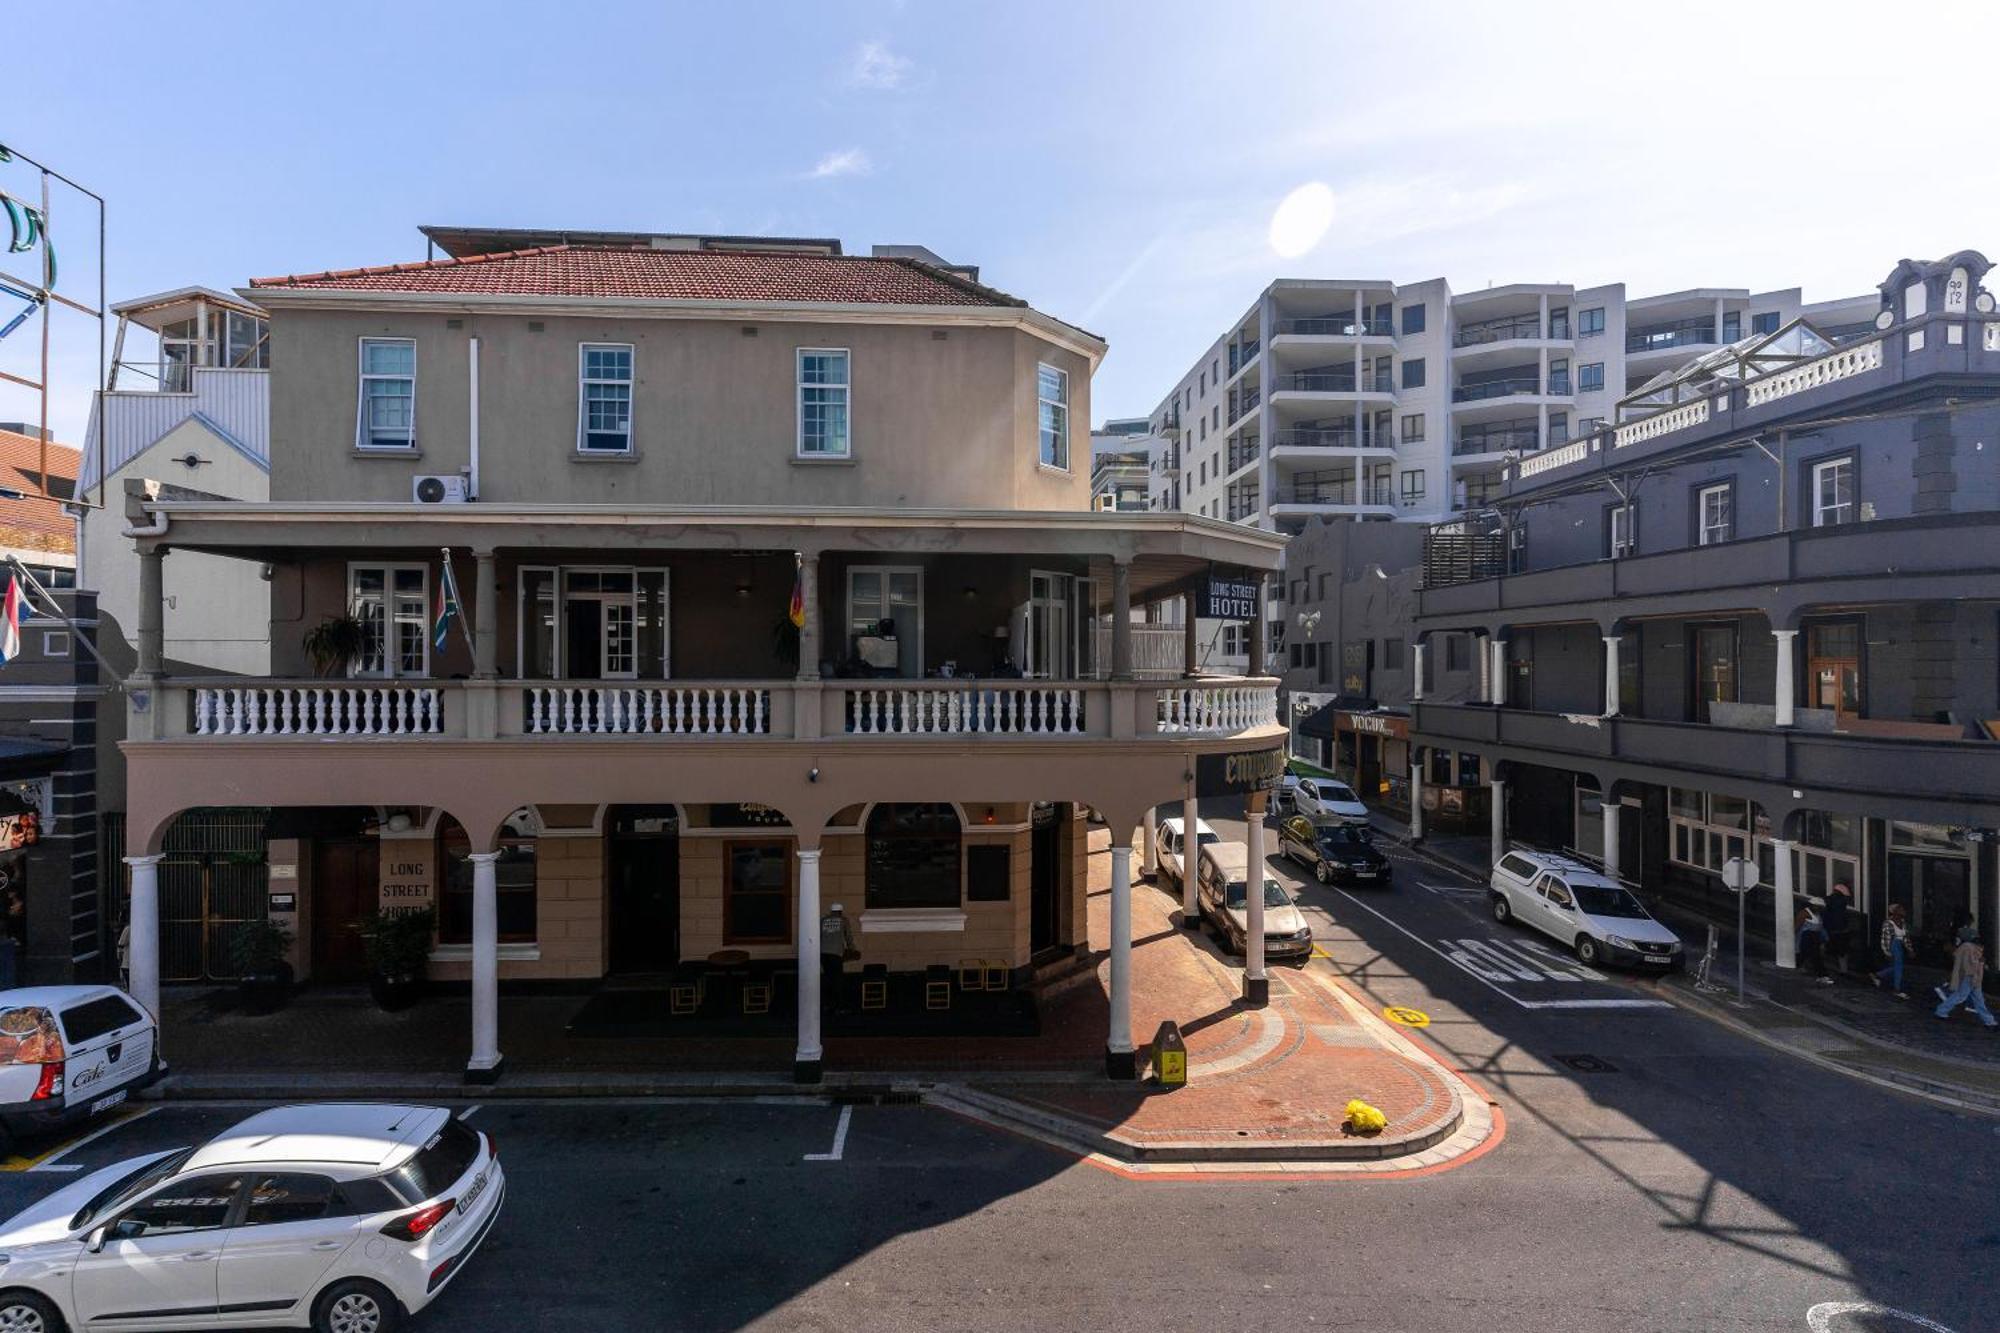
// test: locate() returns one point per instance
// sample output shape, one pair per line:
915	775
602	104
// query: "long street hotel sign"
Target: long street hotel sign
1229	599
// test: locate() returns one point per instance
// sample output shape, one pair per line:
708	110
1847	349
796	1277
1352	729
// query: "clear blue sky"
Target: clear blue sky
1116	164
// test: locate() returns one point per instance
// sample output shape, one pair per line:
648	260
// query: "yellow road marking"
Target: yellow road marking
1409	1018
18	1163
1319	951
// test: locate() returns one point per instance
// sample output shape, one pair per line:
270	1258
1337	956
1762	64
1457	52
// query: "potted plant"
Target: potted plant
399	947
334	643
264	977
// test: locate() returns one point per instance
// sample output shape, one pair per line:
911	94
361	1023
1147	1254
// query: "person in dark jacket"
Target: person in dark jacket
1838	918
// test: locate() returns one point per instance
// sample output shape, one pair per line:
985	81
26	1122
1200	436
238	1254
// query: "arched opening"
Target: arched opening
914	858
514	875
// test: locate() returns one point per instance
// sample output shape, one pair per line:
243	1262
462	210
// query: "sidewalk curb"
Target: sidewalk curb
1937	1091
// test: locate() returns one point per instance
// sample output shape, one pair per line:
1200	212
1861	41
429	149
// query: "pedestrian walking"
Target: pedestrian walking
1895	943
1968	970
1838	918
836	946
1810	937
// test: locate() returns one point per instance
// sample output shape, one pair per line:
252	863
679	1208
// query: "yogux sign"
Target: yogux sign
1239	773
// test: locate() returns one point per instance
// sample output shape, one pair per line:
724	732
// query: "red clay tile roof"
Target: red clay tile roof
667	275
33	523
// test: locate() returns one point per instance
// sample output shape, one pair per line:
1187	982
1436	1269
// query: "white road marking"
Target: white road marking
1820	1318
50	1162
1492	984
469	1112
839	1139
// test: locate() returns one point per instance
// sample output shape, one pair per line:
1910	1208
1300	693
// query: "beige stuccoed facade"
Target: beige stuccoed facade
623	760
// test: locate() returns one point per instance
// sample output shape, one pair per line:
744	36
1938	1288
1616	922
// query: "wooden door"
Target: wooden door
344	880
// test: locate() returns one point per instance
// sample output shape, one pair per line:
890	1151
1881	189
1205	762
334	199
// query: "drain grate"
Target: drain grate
1588	1064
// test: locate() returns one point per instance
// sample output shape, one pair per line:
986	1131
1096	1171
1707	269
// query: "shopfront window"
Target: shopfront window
515	887
913	856
757	896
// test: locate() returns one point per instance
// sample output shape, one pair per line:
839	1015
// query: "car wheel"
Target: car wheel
1323	873
1587	951
1503	911
355	1306
26	1312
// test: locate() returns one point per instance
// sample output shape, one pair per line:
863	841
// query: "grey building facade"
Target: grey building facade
1755	617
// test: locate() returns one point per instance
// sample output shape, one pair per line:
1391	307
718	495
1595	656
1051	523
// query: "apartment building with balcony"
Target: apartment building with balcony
736	637
1755	615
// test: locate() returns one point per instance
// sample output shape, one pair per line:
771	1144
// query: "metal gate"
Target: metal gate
213	878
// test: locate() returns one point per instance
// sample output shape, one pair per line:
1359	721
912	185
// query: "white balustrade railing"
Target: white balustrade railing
647	710
1855	360
1661	423
318	710
964	710
1560	456
1217	709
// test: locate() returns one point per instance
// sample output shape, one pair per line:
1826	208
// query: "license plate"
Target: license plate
478	1188
106	1103
1659	958
1364	874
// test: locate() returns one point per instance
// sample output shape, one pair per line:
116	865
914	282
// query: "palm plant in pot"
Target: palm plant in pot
264	976
334	643
399	949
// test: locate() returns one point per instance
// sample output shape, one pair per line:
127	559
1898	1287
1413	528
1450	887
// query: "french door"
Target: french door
885	607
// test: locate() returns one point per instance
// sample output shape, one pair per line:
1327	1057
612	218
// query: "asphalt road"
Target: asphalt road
1693	1181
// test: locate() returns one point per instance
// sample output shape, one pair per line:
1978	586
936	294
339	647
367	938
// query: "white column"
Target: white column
1611	809
1118	1058
1787	714
1417	671
806	1063
1497	674
1149	852
1416	799
1499	847
1781	903
484	1066
1256	986
1190	855
1611	675
144	923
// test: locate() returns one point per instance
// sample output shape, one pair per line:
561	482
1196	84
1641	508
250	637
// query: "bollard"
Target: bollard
1170	1056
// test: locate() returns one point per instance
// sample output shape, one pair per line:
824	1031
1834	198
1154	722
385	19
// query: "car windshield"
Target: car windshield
1208	835
127	1186
1337	791
1274	894
1603	900
1344	838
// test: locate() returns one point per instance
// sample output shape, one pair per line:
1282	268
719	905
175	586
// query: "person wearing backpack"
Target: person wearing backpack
1968	970
1895	943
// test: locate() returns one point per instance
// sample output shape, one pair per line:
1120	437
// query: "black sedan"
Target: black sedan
1338	853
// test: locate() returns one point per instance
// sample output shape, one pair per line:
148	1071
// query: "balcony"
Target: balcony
1337	381
1332	437
1337	493
1698	332
1242	354
1242	453
1512	386
1521	434
1242	402
239	711
1510	329
1337	326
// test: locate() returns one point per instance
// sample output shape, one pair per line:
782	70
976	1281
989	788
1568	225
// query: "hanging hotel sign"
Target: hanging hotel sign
409	876
1229	599
1239	773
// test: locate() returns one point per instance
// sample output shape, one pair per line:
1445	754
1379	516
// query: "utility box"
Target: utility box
1170	1056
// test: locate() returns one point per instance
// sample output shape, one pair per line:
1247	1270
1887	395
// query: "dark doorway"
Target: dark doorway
345	871
583	638
645	889
1936	892
1045	875
1368	768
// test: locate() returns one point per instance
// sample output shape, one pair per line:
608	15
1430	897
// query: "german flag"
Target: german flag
797	611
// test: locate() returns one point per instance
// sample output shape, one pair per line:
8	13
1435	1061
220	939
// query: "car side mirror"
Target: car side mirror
97	1238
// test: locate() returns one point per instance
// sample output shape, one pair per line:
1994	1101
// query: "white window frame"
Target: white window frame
1624	530
1820	510
1061	405
361	437
1711	534
390	664
558	575
799	387
846	624
583	382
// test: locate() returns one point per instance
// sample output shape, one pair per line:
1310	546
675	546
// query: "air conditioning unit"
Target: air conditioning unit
449	490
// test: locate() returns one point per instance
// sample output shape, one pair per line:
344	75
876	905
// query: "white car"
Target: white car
339	1218
1225	902
1583	909
1328	798
1167	843
71	1052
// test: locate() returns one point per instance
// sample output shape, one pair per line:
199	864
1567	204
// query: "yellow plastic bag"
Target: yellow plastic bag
1365	1119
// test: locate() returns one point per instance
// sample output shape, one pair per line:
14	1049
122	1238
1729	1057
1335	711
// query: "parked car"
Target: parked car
1285	799
344	1219
1582	908
1167	843
1225	903
1338	853
70	1052
1328	798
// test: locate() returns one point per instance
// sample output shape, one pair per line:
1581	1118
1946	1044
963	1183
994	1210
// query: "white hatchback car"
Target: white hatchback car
70	1052
1583	908
1328	798
341	1218
1167	843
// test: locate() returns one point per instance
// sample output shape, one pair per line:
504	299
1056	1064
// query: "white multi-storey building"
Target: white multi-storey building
1374	400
